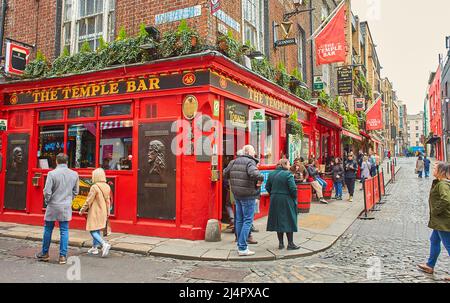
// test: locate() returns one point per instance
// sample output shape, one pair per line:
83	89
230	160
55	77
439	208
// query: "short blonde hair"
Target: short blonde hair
98	175
284	163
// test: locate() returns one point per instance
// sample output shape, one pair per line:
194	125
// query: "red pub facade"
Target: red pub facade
158	130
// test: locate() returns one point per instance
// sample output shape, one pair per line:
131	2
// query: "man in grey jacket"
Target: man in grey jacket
244	177
60	189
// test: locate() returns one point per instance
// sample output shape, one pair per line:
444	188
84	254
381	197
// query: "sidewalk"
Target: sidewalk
318	231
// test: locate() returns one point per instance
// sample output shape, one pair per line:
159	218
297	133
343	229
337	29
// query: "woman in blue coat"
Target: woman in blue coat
283	204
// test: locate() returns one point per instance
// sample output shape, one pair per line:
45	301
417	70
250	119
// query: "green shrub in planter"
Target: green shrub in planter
64	64
263	68
37	68
182	41
84	60
229	46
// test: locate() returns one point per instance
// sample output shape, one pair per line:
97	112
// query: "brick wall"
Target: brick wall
32	22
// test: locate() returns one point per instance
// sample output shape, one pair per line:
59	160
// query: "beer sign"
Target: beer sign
16	58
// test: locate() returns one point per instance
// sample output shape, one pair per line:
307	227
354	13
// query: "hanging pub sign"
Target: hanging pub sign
215	6
360	104
345	81
16	58
285	42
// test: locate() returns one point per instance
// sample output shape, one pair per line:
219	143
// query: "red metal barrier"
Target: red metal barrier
376	191
368	193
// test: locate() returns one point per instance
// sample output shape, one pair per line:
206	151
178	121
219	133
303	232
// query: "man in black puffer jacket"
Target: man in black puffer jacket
244	177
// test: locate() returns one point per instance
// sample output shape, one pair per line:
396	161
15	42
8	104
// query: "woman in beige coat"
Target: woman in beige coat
97	206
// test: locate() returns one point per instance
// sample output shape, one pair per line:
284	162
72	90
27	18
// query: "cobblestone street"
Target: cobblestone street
385	249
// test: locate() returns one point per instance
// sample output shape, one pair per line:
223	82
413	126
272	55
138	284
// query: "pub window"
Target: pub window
81	145
51	115
81	112
87	20
116	145
51	143
115	110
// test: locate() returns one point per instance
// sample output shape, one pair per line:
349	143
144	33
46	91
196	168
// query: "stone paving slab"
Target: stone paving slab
318	231
136	248
216	255
218	274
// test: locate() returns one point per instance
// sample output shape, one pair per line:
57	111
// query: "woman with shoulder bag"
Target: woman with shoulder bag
97	207
439	216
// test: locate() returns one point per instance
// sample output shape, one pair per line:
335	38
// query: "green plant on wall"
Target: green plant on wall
296	128
263	68
230	47
282	78
324	99
37	68
182	41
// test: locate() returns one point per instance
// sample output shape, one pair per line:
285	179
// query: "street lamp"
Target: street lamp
297	4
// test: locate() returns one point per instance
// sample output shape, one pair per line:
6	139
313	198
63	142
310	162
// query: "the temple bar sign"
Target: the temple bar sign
92	90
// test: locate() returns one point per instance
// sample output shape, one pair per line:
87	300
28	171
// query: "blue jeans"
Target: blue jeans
420	174
64	237
427	172
338	188
435	249
97	238
322	183
245	211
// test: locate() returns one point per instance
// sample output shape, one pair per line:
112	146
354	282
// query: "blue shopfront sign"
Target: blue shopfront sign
180	14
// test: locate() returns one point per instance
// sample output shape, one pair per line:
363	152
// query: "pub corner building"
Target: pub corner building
122	119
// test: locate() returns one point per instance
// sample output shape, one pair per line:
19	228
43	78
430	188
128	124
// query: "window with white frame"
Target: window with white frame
87	20
253	23
301	52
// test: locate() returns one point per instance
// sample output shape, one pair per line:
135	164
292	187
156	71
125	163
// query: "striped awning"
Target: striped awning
115	124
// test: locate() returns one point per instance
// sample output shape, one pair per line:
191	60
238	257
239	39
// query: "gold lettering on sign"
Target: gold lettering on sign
66	92
131	86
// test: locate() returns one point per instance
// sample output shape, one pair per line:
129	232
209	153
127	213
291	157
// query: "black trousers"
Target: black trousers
350	183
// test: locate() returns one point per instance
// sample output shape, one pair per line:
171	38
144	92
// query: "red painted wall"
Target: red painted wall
436	125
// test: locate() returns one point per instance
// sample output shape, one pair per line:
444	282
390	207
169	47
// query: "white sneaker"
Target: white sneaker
105	249
93	250
246	253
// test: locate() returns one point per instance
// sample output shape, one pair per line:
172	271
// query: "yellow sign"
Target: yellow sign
190	107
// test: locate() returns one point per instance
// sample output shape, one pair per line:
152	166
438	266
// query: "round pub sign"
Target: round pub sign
190	107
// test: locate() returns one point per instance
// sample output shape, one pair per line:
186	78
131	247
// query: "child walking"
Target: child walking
97	207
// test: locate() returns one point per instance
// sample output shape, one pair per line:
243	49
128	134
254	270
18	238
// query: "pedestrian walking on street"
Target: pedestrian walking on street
420	165
97	207
373	164
365	170
351	167
283	204
244	179
60	189
314	180
338	174
426	164
439	202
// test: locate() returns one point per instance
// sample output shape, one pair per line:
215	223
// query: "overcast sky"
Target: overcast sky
409	36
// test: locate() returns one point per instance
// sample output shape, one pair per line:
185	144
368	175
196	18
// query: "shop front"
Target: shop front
328	135
163	132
